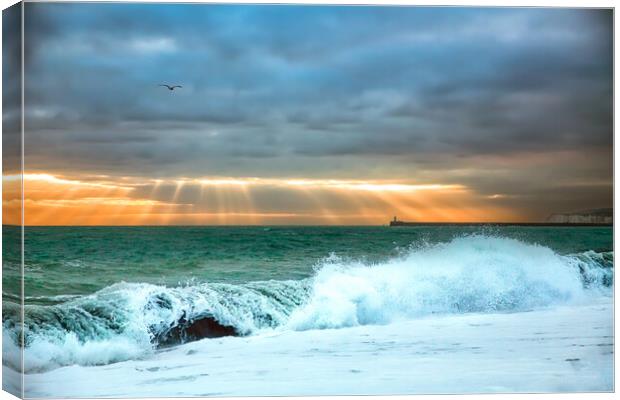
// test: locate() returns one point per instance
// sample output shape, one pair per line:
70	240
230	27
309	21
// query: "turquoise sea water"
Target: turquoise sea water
82	260
134	289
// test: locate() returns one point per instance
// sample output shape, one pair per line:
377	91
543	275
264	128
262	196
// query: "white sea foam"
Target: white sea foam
469	274
559	349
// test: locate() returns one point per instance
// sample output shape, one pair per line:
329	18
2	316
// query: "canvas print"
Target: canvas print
281	200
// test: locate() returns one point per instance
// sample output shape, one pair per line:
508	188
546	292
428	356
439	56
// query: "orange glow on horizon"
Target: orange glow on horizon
52	199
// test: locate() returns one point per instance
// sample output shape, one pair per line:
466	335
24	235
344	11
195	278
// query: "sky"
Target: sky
311	114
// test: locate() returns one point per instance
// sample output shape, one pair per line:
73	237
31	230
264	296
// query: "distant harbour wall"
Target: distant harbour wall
580	219
593	217
539	224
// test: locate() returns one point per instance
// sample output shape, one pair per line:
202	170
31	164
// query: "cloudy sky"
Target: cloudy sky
313	114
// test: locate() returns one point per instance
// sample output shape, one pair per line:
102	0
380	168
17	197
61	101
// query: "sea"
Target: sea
114	309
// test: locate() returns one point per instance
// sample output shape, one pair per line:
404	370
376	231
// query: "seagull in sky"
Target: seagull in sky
171	87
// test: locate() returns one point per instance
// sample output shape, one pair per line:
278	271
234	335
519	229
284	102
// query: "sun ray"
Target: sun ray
53	199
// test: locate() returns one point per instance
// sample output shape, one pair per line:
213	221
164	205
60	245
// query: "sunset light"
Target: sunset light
60	200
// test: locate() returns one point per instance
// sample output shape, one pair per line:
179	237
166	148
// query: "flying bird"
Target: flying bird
171	87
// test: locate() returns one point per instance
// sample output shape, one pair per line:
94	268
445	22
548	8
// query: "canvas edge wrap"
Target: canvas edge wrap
12	186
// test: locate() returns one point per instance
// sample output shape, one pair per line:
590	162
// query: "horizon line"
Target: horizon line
401	224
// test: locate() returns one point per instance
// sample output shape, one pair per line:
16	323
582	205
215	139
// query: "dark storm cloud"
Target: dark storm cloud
11	88
303	91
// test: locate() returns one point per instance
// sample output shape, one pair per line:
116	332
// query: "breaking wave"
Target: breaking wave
470	274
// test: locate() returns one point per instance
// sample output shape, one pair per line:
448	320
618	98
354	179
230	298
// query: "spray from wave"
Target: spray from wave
477	273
